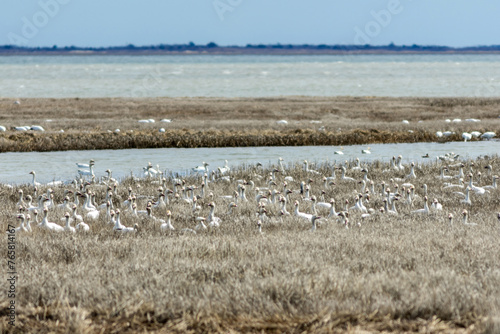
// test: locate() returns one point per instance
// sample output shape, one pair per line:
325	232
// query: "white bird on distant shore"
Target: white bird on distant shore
488	135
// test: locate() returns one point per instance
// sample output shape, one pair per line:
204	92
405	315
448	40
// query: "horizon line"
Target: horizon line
213	45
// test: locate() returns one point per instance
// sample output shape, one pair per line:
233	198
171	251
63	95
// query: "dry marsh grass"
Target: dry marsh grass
212	122
404	273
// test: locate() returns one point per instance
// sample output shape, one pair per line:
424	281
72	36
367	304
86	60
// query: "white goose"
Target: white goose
332	209
211	219
22	228
442	176
68	227
121	228
82	165
33	182
400	163
436	206
312	171
345	178
21	199
89	172
425	210
494	185
412	174
465	195
201	169
225	169
230	208
283	201
313	221
465	215
167	226
476	189
358	165
302	215
45	224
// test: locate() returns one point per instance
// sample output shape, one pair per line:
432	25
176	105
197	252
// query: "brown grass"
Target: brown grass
218	122
393	274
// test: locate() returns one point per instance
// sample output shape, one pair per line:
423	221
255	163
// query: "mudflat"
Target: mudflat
93	123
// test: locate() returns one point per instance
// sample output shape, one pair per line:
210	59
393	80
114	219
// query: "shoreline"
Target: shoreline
92	123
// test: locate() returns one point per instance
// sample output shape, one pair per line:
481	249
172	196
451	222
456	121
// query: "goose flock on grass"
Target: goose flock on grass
261	196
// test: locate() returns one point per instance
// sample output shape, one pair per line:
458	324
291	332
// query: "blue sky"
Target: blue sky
239	22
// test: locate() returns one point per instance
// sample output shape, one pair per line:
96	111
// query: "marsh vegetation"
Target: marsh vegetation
222	122
406	272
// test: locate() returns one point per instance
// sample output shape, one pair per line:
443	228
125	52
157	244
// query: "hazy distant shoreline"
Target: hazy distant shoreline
275	49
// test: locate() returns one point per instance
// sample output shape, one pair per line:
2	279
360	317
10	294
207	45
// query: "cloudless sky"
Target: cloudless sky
239	22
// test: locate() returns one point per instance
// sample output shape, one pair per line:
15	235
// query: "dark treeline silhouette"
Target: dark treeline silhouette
249	49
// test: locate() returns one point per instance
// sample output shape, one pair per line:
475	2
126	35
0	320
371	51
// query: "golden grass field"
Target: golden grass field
391	273
222	122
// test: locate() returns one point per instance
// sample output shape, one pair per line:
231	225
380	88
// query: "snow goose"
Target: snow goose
45	224
21	199
306	166
167	226
280	164
489	168
211	219
488	135
313	221
301	214
466	136
358	165
425	210
230	208
344	219
68	227
494	185
225	169
465	215
450	218
21	228
366	151
465	195
386	207
332	209
442	176
283	201
85	172
201	225
201	169
399	163
345	178
33	182
436	206
340	152
476	189
412	174
259	226
451	185
121	228
82	165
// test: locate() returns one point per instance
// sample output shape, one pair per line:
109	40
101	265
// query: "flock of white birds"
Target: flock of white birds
270	194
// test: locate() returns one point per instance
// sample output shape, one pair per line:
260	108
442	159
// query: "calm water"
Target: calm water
51	166
236	76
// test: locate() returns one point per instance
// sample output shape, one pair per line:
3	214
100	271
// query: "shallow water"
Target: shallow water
250	75
51	166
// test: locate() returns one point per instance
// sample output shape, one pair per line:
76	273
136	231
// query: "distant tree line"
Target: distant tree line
213	46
